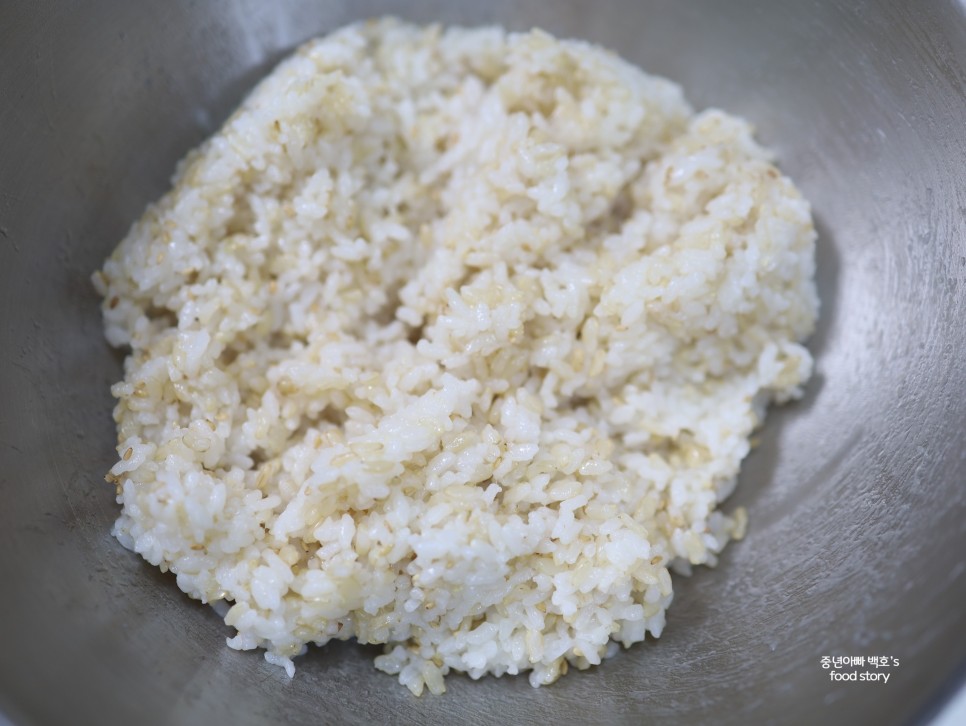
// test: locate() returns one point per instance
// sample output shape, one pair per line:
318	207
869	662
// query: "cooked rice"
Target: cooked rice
453	341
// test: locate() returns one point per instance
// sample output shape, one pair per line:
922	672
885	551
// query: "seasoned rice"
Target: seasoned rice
454	341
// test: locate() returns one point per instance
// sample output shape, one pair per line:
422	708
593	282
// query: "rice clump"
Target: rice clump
453	340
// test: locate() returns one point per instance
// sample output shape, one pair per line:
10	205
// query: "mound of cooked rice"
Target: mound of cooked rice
453	341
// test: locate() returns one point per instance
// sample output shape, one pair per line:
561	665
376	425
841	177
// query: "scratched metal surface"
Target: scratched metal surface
856	495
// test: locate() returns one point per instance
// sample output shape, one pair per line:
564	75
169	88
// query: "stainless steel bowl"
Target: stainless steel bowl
857	495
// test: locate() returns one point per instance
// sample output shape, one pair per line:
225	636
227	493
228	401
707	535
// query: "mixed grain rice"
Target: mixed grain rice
453	340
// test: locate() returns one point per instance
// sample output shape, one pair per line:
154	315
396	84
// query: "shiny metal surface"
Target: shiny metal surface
857	495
